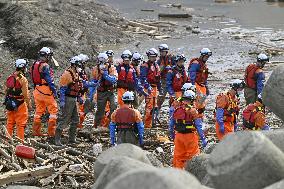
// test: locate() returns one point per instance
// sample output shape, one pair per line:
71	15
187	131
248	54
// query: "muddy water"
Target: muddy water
230	30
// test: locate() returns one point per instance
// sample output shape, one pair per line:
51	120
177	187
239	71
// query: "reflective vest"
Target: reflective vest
232	108
125	78
184	122
153	75
36	73
250	79
125	118
75	87
179	79
104	85
14	87
165	62
202	74
249	116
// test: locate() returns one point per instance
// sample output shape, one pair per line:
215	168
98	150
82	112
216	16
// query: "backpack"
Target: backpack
248	116
13	89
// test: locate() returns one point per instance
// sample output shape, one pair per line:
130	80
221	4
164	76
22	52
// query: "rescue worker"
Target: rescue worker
165	62
136	61
106	76
127	121
83	59
127	78
150	79
110	55
17	100
70	87
198	74
254	116
187	124
227	109
255	78
44	92
177	77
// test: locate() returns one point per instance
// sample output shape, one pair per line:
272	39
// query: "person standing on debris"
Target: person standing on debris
150	79
127	121
188	126
255	78
44	92
70	87
86	85
136	61
254	116
165	62
227	109
106	76
17	100
127	78
177	77
198	74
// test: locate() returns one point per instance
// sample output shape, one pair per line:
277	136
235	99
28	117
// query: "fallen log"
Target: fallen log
46	181
26	174
177	15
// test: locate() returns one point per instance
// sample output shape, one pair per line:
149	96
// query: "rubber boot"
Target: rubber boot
37	129
57	137
72	136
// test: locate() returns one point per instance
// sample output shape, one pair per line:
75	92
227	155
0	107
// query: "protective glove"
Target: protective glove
62	104
171	129
204	142
112	128
220	119
55	95
265	128
235	127
149	90
222	128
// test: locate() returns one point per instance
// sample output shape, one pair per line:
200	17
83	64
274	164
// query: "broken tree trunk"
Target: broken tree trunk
26	174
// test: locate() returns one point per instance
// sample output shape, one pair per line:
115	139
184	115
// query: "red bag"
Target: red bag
25	152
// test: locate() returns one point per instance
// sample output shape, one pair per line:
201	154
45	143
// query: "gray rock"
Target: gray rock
276	137
162	178
154	160
245	160
22	187
277	185
273	92
197	166
116	167
209	148
125	149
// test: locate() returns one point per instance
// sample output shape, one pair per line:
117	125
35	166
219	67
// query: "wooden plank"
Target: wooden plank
137	24
26	174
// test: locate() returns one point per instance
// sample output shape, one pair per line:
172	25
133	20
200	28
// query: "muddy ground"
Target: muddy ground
235	32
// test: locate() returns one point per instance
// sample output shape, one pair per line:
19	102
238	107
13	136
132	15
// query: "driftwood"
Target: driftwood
137	24
181	15
25	174
48	180
73	182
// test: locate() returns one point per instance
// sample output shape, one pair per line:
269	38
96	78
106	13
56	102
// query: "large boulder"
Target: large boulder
277	185
197	166
273	92
276	137
116	167
209	148
126	149
22	187
245	160
162	178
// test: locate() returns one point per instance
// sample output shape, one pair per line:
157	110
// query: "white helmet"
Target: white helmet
137	57
128	96
152	52
21	63
109	53
189	95
45	51
126	55
163	47
102	58
262	58
180	57
188	86
75	60
237	84
206	51
84	58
